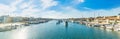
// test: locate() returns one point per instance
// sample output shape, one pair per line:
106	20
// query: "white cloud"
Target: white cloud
17	5
26	4
6	9
9	9
48	3
31	11
81	1
75	2
28	9
72	12
53	14
16	2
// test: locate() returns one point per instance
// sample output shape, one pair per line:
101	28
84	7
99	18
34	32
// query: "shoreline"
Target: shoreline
115	27
11	26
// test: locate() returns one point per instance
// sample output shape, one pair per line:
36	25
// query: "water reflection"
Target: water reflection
52	31
20	34
58	22
9	28
66	24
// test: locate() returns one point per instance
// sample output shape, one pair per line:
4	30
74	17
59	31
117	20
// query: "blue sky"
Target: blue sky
59	8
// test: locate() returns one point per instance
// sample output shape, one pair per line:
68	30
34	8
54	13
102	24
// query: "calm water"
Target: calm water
51	30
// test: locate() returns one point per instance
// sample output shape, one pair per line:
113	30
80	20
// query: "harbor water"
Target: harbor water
54	30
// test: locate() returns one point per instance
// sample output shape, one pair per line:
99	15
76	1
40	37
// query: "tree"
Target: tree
119	14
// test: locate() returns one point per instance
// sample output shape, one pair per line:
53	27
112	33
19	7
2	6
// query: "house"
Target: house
107	19
5	19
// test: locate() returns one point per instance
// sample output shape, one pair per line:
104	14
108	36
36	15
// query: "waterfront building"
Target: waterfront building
107	19
17	19
5	19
